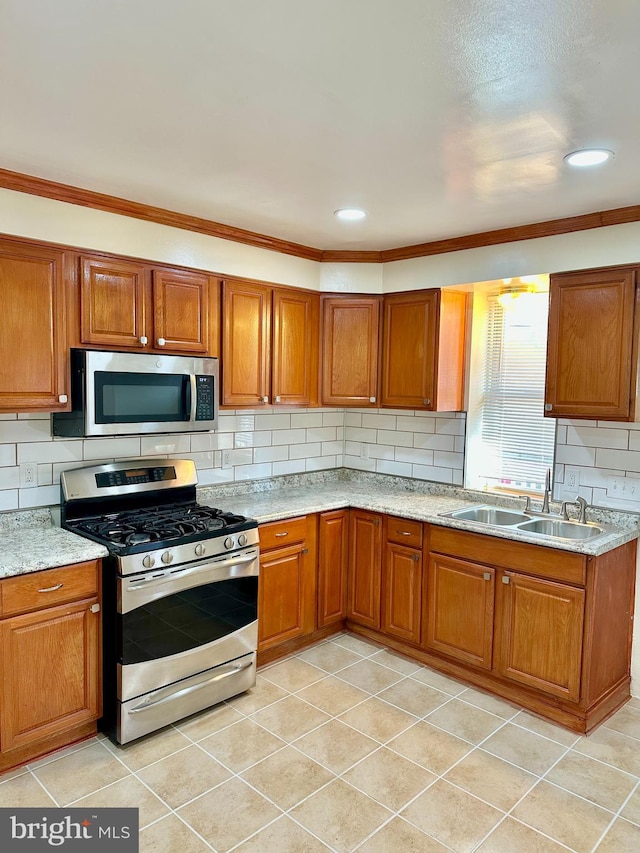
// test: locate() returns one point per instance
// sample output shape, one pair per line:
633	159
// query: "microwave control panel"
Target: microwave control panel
204	398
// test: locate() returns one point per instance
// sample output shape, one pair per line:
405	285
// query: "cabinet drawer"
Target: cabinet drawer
36	590
537	560
404	532
280	533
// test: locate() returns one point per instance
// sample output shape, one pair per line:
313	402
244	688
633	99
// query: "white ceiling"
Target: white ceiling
439	117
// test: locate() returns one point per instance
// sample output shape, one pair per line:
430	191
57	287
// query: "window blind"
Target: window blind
517	442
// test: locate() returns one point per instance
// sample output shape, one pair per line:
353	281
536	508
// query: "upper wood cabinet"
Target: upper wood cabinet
423	343
350	330
269	345
33	346
592	347
129	305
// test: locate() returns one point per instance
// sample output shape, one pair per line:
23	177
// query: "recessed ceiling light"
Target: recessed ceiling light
588	157
350	214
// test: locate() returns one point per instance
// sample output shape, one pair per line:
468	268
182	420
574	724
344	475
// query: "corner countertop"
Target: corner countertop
30	543
285	503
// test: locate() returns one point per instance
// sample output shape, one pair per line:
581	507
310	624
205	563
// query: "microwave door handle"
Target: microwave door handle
192	397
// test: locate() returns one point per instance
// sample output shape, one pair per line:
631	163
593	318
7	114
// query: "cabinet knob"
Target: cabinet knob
427	401
144	340
415	557
487	576
264	399
277	399
161	342
95	608
505	579
548	407
372	399
62	398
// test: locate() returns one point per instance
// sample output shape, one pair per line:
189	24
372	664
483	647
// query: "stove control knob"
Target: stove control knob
228	542
148	562
167	557
200	549
242	540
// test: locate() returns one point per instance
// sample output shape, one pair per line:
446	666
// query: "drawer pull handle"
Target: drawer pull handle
403	532
280	535
51	588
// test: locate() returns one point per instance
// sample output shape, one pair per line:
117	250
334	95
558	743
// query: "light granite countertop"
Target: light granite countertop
29	543
282	503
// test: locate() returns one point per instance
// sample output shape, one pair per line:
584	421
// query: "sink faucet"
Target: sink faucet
547	491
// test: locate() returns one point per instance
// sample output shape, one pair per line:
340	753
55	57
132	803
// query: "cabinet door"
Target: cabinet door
401	592
460	605
286	596
539	634
295	348
409	350
590	349
33	346
365	554
112	303
50	672
245	344
350	350
333	551
181	311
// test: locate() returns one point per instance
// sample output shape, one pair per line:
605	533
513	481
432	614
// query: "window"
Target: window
510	443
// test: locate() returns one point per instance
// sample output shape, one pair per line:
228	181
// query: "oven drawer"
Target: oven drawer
161	707
280	533
36	590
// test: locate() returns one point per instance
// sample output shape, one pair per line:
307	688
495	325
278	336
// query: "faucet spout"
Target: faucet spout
547	492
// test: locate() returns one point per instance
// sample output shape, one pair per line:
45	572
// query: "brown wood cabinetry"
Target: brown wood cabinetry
592	348
401	588
49	660
365	554
350	329
287	587
423	343
269	345
333	551
131	305
33	348
459	610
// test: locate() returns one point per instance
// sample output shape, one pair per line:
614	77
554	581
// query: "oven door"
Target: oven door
177	622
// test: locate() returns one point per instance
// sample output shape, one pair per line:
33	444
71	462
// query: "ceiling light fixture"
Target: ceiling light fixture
509	295
588	157
349	214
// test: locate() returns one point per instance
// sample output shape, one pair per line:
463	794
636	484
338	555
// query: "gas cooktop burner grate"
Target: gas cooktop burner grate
166	524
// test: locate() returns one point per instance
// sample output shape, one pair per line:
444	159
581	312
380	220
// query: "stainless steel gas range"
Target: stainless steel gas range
180	591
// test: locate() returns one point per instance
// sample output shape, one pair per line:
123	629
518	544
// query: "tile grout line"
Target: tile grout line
615	817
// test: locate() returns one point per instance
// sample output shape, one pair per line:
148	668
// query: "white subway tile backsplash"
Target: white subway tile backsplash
429	472
320	463
359	463
451	425
45	475
445	459
352	419
164	445
400	439
416	424
381	451
288	436
291	466
242	456
321	434
305	451
627	460
51	451
331	448
8	499
111	448
399	469
437	441
270	421
571	454
598	437
7	454
21	431
40	496
359	434
253	472
253	439
271	454
416	456
379	421
240	423
334	419
305	420
634	440
212	441
10	478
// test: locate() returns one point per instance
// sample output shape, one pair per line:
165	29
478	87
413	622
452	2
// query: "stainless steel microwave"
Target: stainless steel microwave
122	393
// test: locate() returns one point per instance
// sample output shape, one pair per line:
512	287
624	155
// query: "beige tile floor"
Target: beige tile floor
346	746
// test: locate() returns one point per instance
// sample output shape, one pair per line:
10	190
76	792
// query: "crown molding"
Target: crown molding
112	204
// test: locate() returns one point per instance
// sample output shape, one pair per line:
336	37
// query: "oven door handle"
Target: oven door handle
167	694
194	570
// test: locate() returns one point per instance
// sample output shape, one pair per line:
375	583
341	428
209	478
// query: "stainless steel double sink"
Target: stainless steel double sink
556	528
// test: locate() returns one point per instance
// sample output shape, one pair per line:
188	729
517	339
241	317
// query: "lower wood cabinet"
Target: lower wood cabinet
333	550
401	589
287	586
49	660
459	610
365	553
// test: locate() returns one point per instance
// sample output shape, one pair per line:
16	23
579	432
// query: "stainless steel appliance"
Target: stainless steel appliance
122	393
180	591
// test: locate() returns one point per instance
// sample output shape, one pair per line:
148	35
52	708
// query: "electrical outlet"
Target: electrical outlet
226	459
28	475
569	489
570	479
